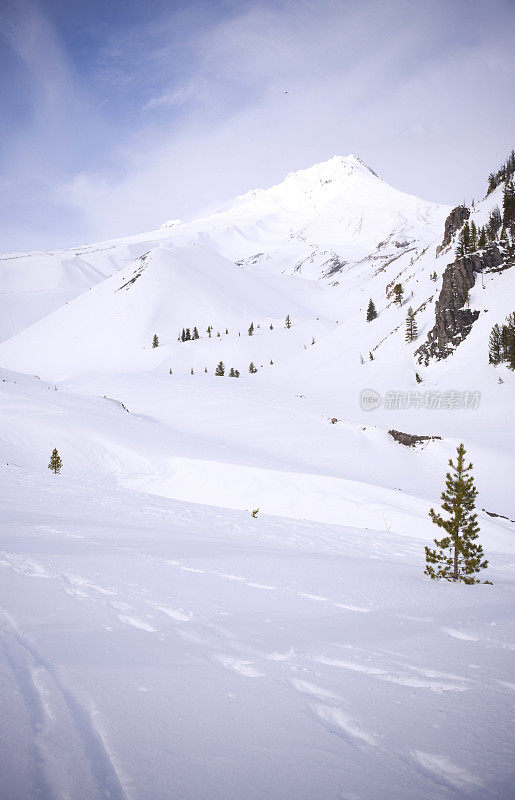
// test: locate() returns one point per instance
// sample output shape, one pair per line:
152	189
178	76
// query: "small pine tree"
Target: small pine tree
398	292
236	373
220	369
155	341
252	368
481	242
251	329
418	378
254	513
56	462
371	311
205	369
411	326
287	322
183	335
271	327
226	331
209	329
231	373
271	362
195	334
457	557
170	370
191	371
187	336
218	334
473	237
370	355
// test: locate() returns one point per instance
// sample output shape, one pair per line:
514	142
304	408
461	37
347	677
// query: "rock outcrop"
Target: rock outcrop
410	439
453	223
452	320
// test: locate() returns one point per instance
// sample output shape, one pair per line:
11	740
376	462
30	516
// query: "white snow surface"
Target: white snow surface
157	641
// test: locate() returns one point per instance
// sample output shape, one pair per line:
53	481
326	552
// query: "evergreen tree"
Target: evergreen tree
155	341
398	292
56	461
494	346
171	373
271	362
183	335
370	355
481	242
508	204
494	223
411	326
187	335
418	378
473	237
220	369
371	311
236	373
457	557
231	373
191	371
251	329
195	334
209	329
218	334
205	369
463	241
271	327
434	276
287	322
226	331
252	368
313	341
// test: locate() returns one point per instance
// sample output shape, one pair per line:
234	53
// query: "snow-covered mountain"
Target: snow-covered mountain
141	615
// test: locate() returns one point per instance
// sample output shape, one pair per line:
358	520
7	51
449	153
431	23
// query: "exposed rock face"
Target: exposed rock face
452	321
453	223
410	439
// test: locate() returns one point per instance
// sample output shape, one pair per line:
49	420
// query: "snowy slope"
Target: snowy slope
155	635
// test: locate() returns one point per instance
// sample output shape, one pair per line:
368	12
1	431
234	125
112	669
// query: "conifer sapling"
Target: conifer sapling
55	462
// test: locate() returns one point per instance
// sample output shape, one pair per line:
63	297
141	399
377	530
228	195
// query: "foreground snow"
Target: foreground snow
156	649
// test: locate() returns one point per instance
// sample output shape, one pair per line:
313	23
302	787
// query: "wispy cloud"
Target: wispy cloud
198	103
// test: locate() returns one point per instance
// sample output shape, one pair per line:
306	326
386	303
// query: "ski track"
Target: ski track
45	700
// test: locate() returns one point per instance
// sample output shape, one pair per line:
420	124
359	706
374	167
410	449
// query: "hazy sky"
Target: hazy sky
117	115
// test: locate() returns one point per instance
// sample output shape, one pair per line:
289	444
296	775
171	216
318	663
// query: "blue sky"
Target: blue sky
118	115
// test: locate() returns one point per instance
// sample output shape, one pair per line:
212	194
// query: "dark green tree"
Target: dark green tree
473	237
251	329
398	292
187	335
371	311
411	326
494	346
463	241
183	335
56	461
271	327
252	368
220	369
458	556
481	242
209	330
231	373
195	334
287	322
494	223
155	341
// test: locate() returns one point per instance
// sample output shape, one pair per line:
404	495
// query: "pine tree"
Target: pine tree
231	373
411	326
398	292
508	204
236	373
218	334
220	369
195	334
183	335
191	371
418	378
370	355
271	327
494	346
171	373
271	362
56	461
187	335
371	311
251	329
463	241
155	341
473	237
252	368
209	329
226	331
457	557
205	369
481	242
287	322
494	223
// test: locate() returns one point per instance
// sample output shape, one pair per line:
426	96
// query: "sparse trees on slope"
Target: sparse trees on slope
458	556
56	462
371	311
